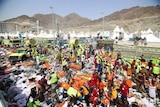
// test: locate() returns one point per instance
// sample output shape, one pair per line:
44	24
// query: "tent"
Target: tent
150	36
116	32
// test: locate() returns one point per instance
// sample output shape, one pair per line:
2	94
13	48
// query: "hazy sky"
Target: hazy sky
86	8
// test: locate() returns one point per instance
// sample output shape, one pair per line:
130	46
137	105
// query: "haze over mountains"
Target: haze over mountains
132	19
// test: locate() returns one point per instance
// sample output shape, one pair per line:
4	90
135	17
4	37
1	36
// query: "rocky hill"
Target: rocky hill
22	20
132	19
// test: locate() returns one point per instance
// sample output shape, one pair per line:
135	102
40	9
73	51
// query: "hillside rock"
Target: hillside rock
132	19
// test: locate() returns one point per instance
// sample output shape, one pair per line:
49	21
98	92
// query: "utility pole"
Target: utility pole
52	19
16	28
37	27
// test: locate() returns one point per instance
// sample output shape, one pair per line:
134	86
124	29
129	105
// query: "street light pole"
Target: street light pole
16	28
37	27
52	18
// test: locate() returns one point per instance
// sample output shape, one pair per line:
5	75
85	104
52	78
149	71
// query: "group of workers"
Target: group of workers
108	78
103	88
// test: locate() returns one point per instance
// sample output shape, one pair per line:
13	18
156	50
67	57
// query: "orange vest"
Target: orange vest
86	92
114	93
101	85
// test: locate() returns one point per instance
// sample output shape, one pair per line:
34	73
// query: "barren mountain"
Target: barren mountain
74	20
53	20
48	21
22	20
132	19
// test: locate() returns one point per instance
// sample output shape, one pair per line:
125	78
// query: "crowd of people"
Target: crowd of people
82	77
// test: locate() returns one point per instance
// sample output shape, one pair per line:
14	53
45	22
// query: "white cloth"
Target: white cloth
22	68
152	91
38	77
27	91
130	100
84	104
82	58
75	106
147	103
21	86
20	81
37	60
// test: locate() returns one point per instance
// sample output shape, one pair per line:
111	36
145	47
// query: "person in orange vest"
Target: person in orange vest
101	85
114	96
85	92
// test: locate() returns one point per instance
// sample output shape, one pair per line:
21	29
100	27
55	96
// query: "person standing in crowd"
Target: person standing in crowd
82	60
114	96
64	64
110	76
133	63
106	97
124	89
95	60
139	82
150	65
85	92
119	55
158	86
99	62
116	39
94	96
